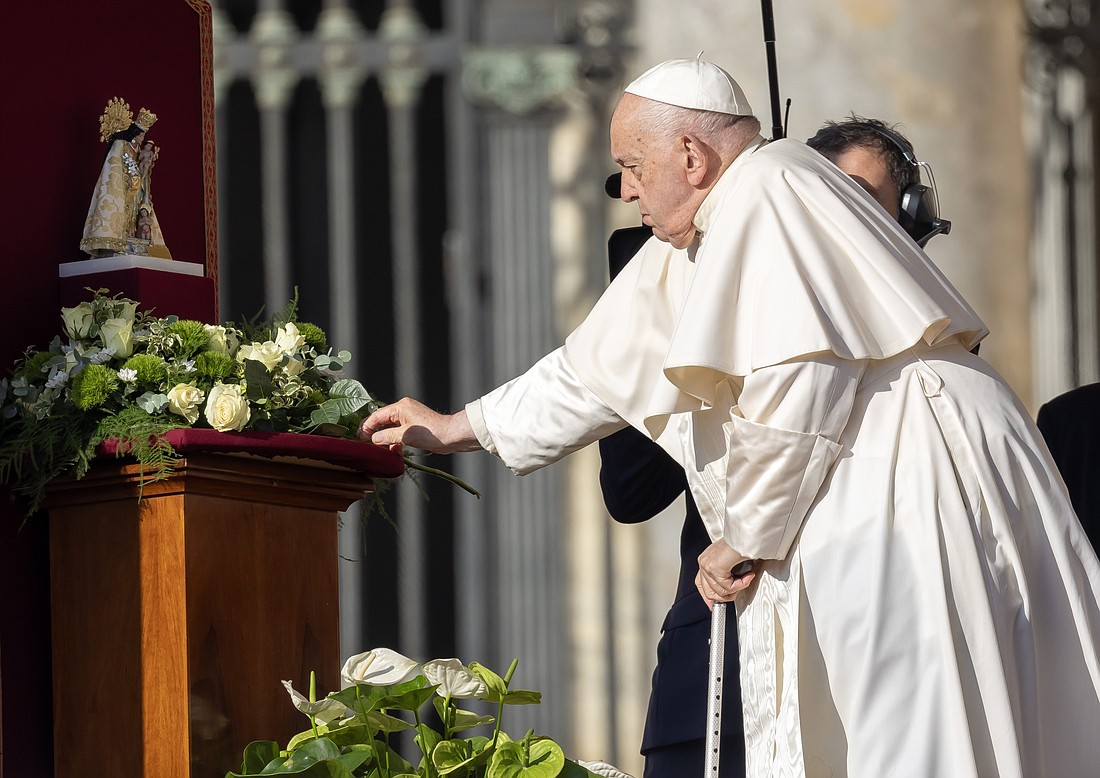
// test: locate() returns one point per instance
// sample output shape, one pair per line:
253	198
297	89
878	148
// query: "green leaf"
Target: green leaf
259	380
574	770
529	758
258	754
522	697
465	719
152	403
386	723
493	682
347	395
450	756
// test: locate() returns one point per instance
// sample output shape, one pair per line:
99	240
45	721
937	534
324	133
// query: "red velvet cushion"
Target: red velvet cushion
376	461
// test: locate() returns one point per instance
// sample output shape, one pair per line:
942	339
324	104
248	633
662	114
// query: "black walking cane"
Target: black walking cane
718	613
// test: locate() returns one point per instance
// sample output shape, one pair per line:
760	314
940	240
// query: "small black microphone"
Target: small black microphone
614	186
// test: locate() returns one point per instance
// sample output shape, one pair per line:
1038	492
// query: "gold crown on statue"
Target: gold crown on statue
146	119
118	117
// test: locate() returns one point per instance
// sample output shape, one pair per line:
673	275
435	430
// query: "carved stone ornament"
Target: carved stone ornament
520	81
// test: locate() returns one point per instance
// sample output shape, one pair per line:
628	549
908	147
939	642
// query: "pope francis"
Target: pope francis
923	600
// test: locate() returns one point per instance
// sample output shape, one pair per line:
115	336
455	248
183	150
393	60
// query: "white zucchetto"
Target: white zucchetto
692	83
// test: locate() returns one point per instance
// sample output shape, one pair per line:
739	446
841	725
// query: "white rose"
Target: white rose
219	341
294	367
379	667
127	311
227	408
119	335
454	679
77	321
184	400
267	353
288	340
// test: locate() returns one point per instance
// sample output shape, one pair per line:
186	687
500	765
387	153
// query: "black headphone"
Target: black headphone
918	206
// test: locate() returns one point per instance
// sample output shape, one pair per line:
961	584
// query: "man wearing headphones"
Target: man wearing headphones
881	160
639	480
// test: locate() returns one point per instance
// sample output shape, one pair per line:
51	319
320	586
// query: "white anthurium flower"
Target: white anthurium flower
324	711
288	340
119	335
378	667
454	679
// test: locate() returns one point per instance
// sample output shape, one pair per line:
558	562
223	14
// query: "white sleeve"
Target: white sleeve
782	441
541	416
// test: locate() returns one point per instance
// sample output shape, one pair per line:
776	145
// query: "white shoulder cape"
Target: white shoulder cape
795	259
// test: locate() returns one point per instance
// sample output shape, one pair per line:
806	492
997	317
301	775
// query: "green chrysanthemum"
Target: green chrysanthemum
314	335
151	370
212	366
93	385
34	363
192	335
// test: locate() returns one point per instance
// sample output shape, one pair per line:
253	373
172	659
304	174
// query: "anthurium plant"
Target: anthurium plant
385	693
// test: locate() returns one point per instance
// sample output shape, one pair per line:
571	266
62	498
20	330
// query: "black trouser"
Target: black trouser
685	760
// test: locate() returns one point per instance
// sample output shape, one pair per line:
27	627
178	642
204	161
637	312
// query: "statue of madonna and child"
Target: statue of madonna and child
121	218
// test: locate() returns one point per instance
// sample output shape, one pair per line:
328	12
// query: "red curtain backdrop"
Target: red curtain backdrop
64	61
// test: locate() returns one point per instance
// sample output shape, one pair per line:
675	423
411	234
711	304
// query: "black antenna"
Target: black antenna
773	74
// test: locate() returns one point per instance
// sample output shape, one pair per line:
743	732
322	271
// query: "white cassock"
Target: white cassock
927	604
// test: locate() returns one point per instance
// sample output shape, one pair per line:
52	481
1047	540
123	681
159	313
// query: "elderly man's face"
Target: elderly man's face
868	167
653	175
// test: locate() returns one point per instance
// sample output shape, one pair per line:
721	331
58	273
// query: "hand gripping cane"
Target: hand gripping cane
714	683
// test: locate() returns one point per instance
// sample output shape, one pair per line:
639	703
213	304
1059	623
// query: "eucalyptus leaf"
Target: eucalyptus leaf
151	402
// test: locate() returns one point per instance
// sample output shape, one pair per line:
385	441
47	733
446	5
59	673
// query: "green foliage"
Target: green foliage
151	369
188	338
358	743
93	385
114	372
117	372
314	335
213	366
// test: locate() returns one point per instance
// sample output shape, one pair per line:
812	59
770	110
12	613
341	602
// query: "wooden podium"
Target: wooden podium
175	617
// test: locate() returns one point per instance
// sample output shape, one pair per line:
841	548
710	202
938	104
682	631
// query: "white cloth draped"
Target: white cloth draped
928	603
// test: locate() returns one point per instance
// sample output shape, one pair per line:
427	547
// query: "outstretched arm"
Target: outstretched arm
409	422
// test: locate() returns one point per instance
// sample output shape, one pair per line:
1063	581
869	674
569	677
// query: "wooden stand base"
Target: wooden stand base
175	617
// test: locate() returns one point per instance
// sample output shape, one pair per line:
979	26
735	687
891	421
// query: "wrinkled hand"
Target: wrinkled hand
408	422
714	580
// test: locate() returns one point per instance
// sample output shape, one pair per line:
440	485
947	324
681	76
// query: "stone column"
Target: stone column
338	33
402	78
518	88
274	77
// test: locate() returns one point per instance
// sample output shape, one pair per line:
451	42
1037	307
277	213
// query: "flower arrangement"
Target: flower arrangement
349	732
123	374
